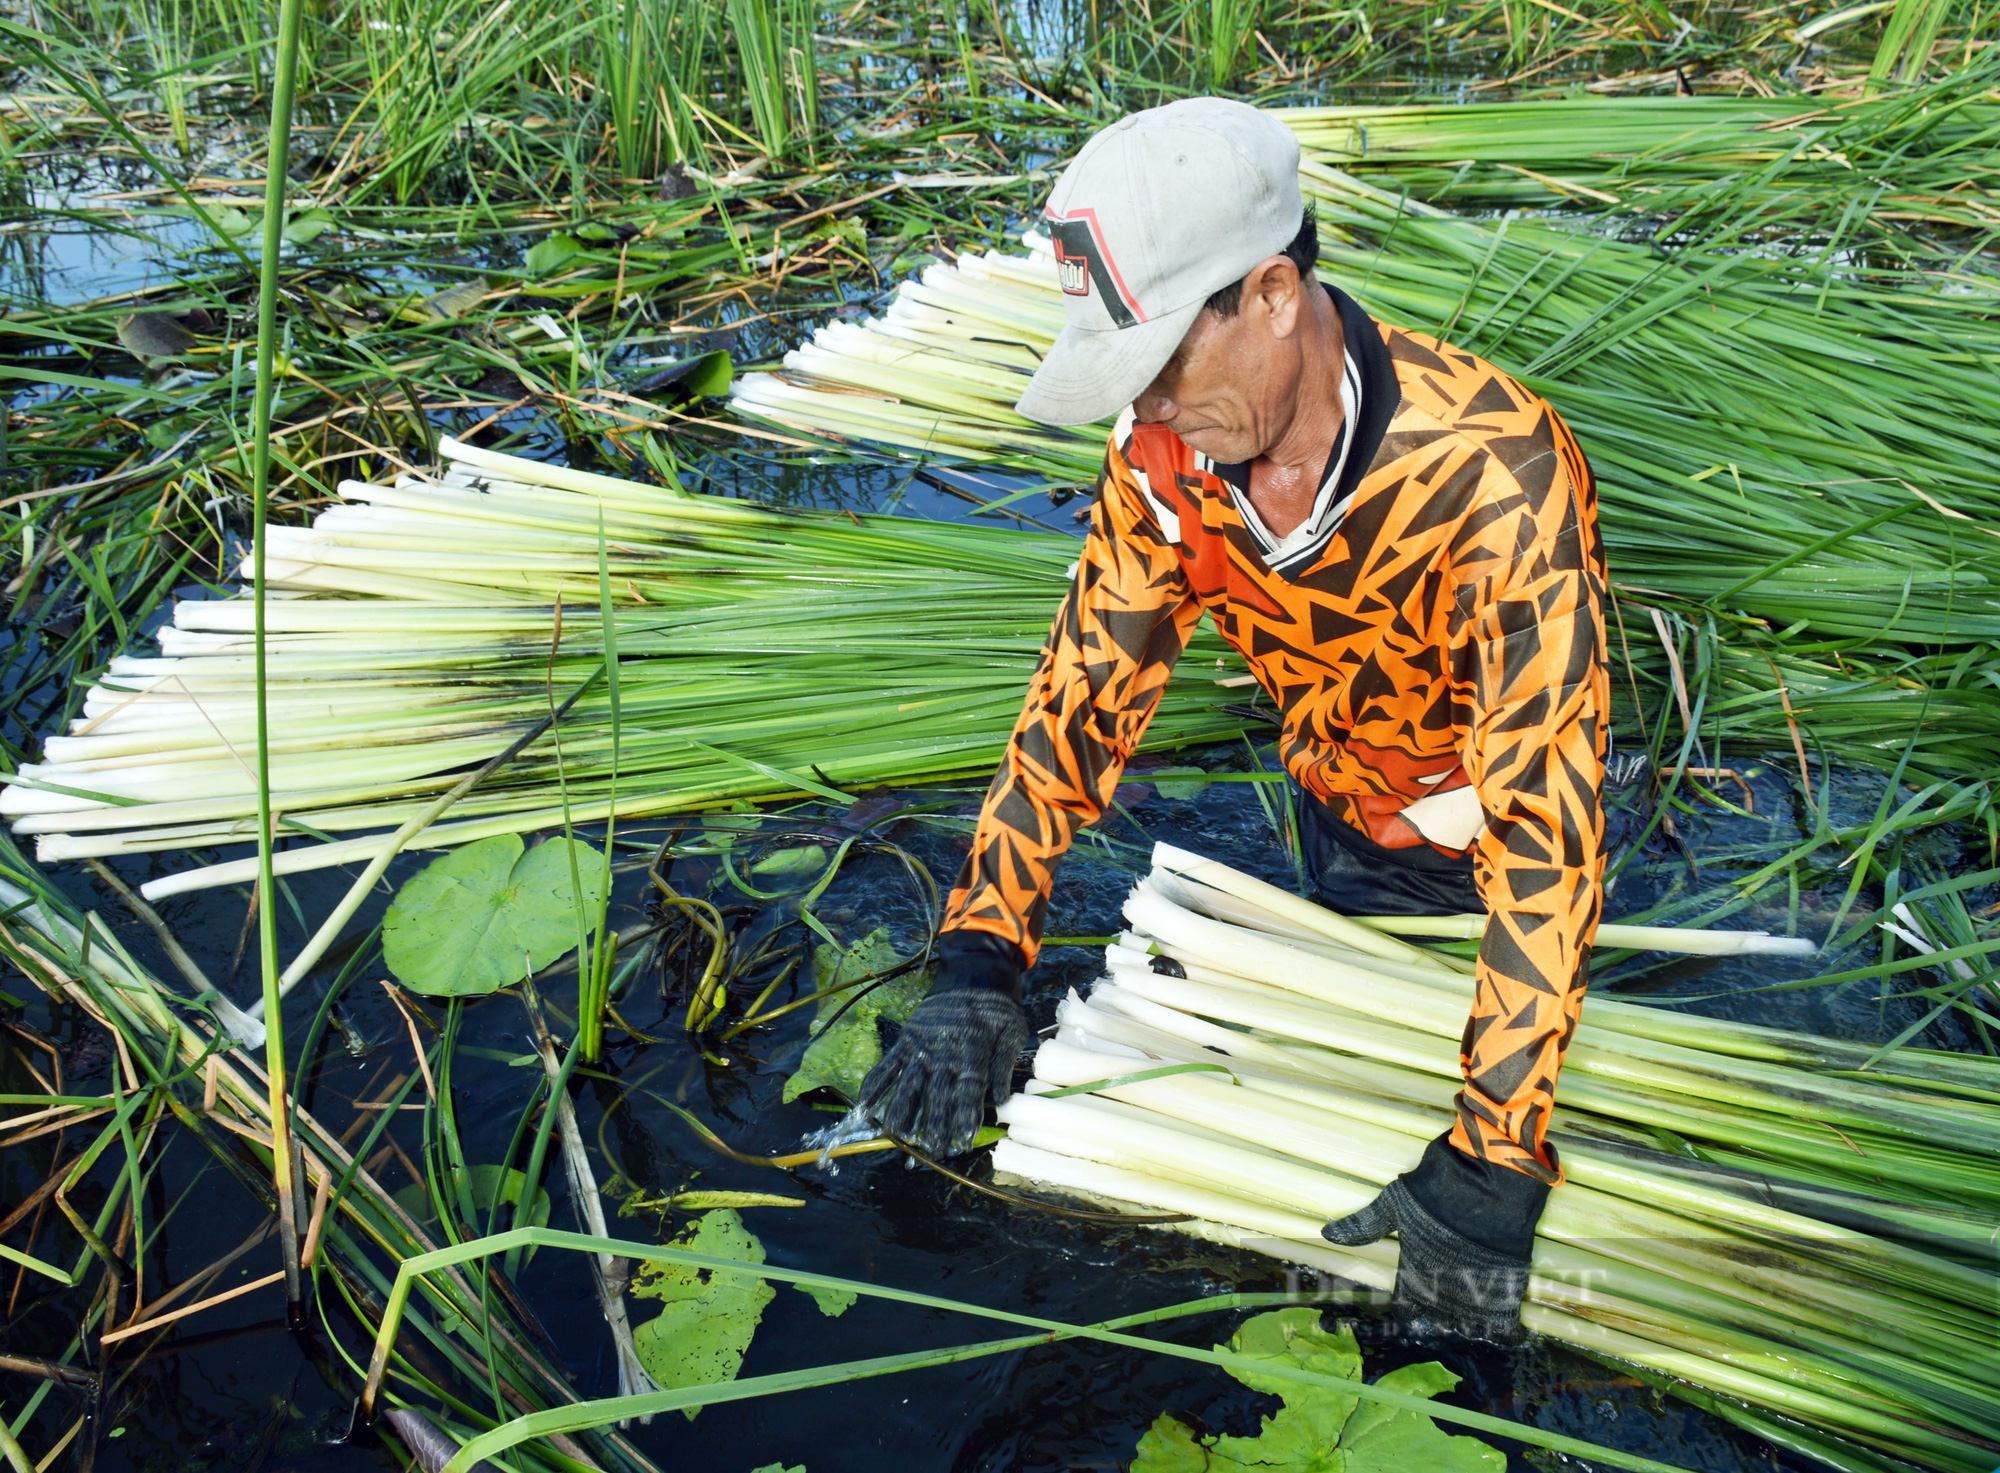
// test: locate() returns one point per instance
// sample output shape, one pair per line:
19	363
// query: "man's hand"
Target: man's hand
957	1049
1467	1230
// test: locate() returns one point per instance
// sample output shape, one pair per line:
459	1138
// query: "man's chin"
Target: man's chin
1218	445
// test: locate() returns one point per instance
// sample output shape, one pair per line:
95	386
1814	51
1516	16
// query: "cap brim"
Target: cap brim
1091	375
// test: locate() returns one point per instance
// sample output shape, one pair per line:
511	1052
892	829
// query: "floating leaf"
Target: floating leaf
833	1302
779	1468
699	1201
232	221
703	375
1177	782
701	1336
306	226
482	916
804	859
848	232
164	434
1320	1430
550	252
842	1055
153	337
455	302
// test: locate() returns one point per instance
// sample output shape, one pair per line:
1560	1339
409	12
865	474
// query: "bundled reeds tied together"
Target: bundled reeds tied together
713	649
1784	1229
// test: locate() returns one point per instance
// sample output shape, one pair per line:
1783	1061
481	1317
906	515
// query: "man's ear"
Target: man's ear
1273	283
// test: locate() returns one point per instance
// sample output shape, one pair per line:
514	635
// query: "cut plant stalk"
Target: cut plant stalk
609	1272
732	682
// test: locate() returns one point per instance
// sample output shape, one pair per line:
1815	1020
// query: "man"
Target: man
1402	541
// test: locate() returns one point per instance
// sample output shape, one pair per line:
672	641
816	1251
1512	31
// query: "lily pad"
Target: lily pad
710	1315
832	1302
1177	782
306	226
702	376
1320	1430
550	252
842	1055
696	1201
232	221
455	301
802	859
484	916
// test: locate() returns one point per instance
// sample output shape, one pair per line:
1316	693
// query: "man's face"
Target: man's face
1230	389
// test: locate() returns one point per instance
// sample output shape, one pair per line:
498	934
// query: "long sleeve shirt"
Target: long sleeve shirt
1436	626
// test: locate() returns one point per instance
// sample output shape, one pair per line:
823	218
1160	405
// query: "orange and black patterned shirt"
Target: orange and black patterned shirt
1442	630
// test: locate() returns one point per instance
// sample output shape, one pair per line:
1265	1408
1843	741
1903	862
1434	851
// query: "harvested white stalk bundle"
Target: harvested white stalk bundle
420	630
1748	1218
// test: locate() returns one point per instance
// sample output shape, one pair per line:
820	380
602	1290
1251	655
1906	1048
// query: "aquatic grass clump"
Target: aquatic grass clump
1738	1224
459	1340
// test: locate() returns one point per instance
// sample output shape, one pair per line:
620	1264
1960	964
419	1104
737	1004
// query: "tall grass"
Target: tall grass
1228	35
434	71
650	58
779	70
277	168
1907	40
1901	169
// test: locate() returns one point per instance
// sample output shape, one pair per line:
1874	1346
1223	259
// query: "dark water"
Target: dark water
238	1390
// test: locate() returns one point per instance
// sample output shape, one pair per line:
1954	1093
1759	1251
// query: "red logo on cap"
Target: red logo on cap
1081	257
1072	272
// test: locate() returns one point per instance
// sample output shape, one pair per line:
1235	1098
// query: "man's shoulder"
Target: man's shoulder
1446	388
1458	388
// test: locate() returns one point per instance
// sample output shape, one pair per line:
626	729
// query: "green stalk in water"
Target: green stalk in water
276	163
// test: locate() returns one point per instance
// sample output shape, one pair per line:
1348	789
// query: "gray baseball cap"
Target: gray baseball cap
1158	211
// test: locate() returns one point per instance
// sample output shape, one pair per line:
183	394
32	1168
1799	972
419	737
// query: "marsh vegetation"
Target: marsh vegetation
599	530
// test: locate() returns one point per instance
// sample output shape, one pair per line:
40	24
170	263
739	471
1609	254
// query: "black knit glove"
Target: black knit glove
1467	1229
957	1049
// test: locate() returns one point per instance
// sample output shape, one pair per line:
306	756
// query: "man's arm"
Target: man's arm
1127	617
1528	676
1530	664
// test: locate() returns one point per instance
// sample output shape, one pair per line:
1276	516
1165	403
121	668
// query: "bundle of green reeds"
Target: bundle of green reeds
715	650
1767	434
1791	1231
1873	168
